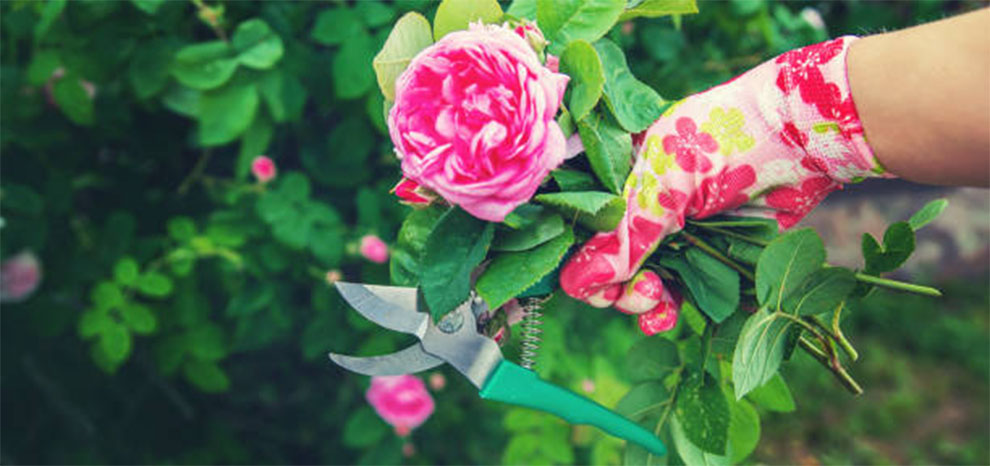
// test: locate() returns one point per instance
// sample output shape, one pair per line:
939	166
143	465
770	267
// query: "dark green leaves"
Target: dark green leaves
206	65
352	71
409	35
822	291
455	15
784	265
635	105
257	45
597	210
456	246
703	413
335	25
759	350
226	112
563	21
363	429
609	149
549	226
651	358
404	258
510	274
714	285
898	244
774	395
73	99
580	62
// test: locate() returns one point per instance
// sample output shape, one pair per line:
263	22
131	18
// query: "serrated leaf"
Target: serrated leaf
634	104
409	36
714	285
608	148
703	413
597	210
927	213
510	274
225	113
206	376
774	395
784	265
821	292
563	21
651	358
455	15
524	216
363	429
549	226
457	244
139	318
257	45
659	8
580	61
204	66
759	350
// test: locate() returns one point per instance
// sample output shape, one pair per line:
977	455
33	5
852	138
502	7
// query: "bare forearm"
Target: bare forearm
923	95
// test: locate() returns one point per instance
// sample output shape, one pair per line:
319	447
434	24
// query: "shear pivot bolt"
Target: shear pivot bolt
451	322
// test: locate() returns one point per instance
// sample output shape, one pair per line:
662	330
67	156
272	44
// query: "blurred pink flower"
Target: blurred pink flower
408	449
263	168
374	249
401	400
588	385
333	276
19	277
437	381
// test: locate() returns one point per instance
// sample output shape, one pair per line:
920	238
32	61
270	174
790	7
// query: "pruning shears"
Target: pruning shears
455	340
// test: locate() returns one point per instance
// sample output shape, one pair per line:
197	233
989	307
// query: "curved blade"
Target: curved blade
392	307
410	360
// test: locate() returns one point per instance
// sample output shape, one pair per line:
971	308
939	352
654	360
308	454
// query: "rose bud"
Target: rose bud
374	249
412	194
263	168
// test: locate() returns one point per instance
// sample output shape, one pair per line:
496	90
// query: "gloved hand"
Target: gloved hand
772	142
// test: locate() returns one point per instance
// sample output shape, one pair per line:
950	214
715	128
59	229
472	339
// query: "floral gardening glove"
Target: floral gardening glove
772	142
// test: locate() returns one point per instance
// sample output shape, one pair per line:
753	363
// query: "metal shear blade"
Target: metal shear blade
410	360
392	307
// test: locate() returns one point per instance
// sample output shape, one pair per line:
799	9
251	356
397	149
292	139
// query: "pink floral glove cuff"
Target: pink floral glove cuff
772	142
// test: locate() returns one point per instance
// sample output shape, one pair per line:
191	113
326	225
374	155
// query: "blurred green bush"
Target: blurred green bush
184	311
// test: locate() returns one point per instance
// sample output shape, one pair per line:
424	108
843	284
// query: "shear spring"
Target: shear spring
530	330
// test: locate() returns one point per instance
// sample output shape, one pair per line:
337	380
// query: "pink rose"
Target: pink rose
19	277
401	400
473	120
374	249
412	194
263	168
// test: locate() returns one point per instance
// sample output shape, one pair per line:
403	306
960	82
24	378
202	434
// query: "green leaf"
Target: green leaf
206	342
254	142
714	285
510	274
642	400
651	358
784	265
374	13
43	65
927	213
351	68
563	21
257	45
139	318
204	66
597	210
743	251
703	413
335	25
126	271
659	8
206	376
548	227
115	342
573	180
455	15
524	216
744	429
898	244
457	244
148	6
580	61
106	296
759	350
49	13
822	291
409	35
609	149
92	322
72	98
182	100
21	198
149	70
181	229
774	395
154	284
635	105
523	9
404	257
225	113
363	429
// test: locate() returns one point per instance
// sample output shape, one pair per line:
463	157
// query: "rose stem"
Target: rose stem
837	331
747	238
897	285
840	373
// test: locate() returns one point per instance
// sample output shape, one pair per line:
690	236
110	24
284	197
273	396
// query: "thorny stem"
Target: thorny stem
711	251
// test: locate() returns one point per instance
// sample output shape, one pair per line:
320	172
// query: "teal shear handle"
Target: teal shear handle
510	383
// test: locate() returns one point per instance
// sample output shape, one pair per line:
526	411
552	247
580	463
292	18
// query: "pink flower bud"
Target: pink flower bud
642	293
437	381
401	400
333	276
374	249
412	194
19	277
263	168
533	35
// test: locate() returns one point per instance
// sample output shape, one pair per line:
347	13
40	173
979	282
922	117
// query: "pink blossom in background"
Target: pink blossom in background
374	249
263	168
20	276
401	400
473	120
588	385
333	276
437	381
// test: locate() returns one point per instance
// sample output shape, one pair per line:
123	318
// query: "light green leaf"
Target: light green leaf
409	35
455	15
336	25
352	67
635	105
510	274
548	227
364	429
608	148
759	350
139	318
744	429
92	322
206	376
563	21
822	291
690	453
115	342
257	45
927	213
774	395
106	296
573	180
181	228
580	61
703	413
204	66
597	210
73	100
523	9
457	244
126	271
154	284
784	265
651	358
225	113
659	8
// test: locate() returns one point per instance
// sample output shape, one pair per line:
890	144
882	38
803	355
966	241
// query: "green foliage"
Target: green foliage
409	35
569	20
580	61
634	104
455	15
457	244
597	210
608	148
713	285
510	274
